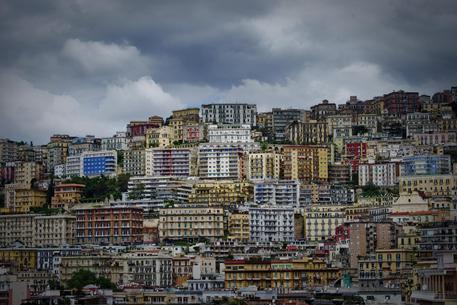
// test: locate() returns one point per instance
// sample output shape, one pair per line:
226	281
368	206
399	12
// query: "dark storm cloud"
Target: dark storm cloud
290	52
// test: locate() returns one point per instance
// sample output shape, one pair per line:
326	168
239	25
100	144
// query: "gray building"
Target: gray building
229	113
282	118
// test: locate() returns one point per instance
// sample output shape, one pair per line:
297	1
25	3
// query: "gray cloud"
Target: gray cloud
97	54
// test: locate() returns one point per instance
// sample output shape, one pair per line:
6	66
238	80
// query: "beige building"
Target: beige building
306	162
135	162
431	185
321	221
35	230
183	117
191	223
109	266
238	227
27	172
17	227
263	165
226	192
54	230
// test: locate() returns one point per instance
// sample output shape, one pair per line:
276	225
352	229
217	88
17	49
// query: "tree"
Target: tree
82	278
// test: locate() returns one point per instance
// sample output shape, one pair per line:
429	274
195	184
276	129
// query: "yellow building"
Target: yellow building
280	274
431	185
20	200
386	268
238	226
225	192
191	223
183	117
306	162
20	258
264	165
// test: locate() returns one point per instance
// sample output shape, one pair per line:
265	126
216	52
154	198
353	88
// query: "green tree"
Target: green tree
82	278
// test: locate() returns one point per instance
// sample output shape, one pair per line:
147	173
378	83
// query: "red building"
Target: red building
138	128
7	172
108	225
401	102
355	152
342	232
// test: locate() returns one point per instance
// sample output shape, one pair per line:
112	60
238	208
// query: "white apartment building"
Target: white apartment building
73	166
271	223
229	134
220	161
119	141
380	174
280	193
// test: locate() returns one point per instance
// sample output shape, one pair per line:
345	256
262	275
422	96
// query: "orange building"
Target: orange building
66	195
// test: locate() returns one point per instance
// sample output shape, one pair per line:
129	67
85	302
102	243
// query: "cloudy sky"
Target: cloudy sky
88	67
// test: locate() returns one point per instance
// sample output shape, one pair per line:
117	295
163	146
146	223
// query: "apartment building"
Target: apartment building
21	200
279	192
66	195
283	117
436	138
229	133
150	269
305	162
25	173
220	161
271	223
426	165
73	166
54	230
191	222
367	237
17	227
193	132
8	150
264	165
287	274
36	230
98	163
369	121
379	174
135	162
321	221
224	193
182	117
108	225
431	185
19	258
401	102
239	226
313	132
175	162
390	267
322	110
229	113
119	141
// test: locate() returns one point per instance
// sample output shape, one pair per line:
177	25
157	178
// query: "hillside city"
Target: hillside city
353	203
